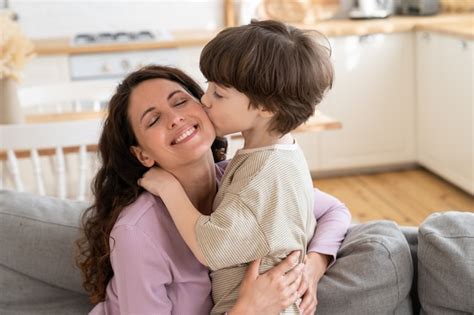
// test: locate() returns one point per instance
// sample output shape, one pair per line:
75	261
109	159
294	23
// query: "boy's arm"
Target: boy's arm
182	211
224	238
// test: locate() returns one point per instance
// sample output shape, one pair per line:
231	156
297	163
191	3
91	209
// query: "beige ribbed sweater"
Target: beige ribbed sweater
264	208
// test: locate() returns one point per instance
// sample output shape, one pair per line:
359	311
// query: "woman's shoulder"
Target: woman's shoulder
144	213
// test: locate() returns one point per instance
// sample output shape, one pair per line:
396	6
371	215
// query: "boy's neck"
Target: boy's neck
254	139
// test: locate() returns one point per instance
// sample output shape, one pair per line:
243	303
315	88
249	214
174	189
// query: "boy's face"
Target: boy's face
229	110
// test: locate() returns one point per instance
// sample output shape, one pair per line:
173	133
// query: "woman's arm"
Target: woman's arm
333	219
272	291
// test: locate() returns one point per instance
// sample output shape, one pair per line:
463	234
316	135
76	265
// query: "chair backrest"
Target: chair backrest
54	140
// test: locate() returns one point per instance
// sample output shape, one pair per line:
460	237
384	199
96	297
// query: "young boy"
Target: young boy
265	79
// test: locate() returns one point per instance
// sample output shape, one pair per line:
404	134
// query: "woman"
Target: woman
132	256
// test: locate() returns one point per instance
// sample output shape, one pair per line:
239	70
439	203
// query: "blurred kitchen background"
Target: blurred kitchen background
393	139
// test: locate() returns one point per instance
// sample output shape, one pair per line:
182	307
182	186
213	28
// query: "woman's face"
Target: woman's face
171	126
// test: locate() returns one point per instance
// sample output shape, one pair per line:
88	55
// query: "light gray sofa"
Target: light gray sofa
381	268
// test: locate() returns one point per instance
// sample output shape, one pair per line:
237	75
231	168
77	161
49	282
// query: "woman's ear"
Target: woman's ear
142	156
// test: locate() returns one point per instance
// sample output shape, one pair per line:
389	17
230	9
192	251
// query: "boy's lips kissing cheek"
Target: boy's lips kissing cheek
185	134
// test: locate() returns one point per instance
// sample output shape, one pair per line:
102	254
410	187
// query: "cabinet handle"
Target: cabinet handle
364	38
105	68
426	36
125	64
464	45
371	38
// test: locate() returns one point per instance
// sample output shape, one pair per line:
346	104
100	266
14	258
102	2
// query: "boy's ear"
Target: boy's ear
265	113
142	156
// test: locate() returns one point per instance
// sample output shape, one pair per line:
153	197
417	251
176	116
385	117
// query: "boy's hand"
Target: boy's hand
156	180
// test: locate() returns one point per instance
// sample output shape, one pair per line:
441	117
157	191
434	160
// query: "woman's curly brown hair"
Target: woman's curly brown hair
115	184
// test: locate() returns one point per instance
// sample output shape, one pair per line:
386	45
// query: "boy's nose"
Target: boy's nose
204	101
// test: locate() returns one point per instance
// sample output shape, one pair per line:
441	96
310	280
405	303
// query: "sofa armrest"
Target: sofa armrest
372	275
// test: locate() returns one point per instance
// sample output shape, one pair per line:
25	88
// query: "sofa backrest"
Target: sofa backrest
36	233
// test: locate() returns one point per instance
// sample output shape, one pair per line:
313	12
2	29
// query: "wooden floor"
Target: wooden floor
406	197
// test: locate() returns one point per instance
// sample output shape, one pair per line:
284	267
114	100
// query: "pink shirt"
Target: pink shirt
156	273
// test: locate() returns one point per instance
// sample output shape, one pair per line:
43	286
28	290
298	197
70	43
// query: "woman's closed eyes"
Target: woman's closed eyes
156	117
153	120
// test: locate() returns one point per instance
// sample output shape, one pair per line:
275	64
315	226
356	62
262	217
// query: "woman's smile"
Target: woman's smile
185	135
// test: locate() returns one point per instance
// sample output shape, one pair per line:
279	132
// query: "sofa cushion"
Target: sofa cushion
25	295
372	275
37	237
446	263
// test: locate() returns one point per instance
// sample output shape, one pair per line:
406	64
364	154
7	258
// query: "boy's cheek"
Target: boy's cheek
211	114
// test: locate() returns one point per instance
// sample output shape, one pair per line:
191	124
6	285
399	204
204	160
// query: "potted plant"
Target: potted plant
15	50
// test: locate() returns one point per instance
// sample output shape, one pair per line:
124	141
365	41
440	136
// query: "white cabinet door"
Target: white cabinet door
373	96
188	61
45	70
445	107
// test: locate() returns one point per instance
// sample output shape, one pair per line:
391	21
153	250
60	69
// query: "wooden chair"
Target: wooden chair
34	141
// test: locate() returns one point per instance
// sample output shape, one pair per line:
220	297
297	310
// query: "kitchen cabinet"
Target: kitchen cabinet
373	96
188	61
48	69
445	115
62	68
47	72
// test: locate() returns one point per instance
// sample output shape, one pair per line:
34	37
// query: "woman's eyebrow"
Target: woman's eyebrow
185	93
173	93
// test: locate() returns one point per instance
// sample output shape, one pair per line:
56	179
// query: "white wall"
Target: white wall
65	18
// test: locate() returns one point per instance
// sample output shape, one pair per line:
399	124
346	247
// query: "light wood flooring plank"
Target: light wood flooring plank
406	197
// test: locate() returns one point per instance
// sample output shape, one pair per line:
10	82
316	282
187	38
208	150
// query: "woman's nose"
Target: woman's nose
174	119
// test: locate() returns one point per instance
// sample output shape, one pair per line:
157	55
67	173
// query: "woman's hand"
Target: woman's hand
272	291
315	267
156	179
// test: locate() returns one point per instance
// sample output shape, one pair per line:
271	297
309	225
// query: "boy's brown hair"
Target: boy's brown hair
280	68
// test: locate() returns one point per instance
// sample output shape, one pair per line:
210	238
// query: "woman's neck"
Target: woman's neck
199	182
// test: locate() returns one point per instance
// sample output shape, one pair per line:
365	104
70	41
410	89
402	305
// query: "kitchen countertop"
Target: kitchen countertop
458	25
461	25
463	29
